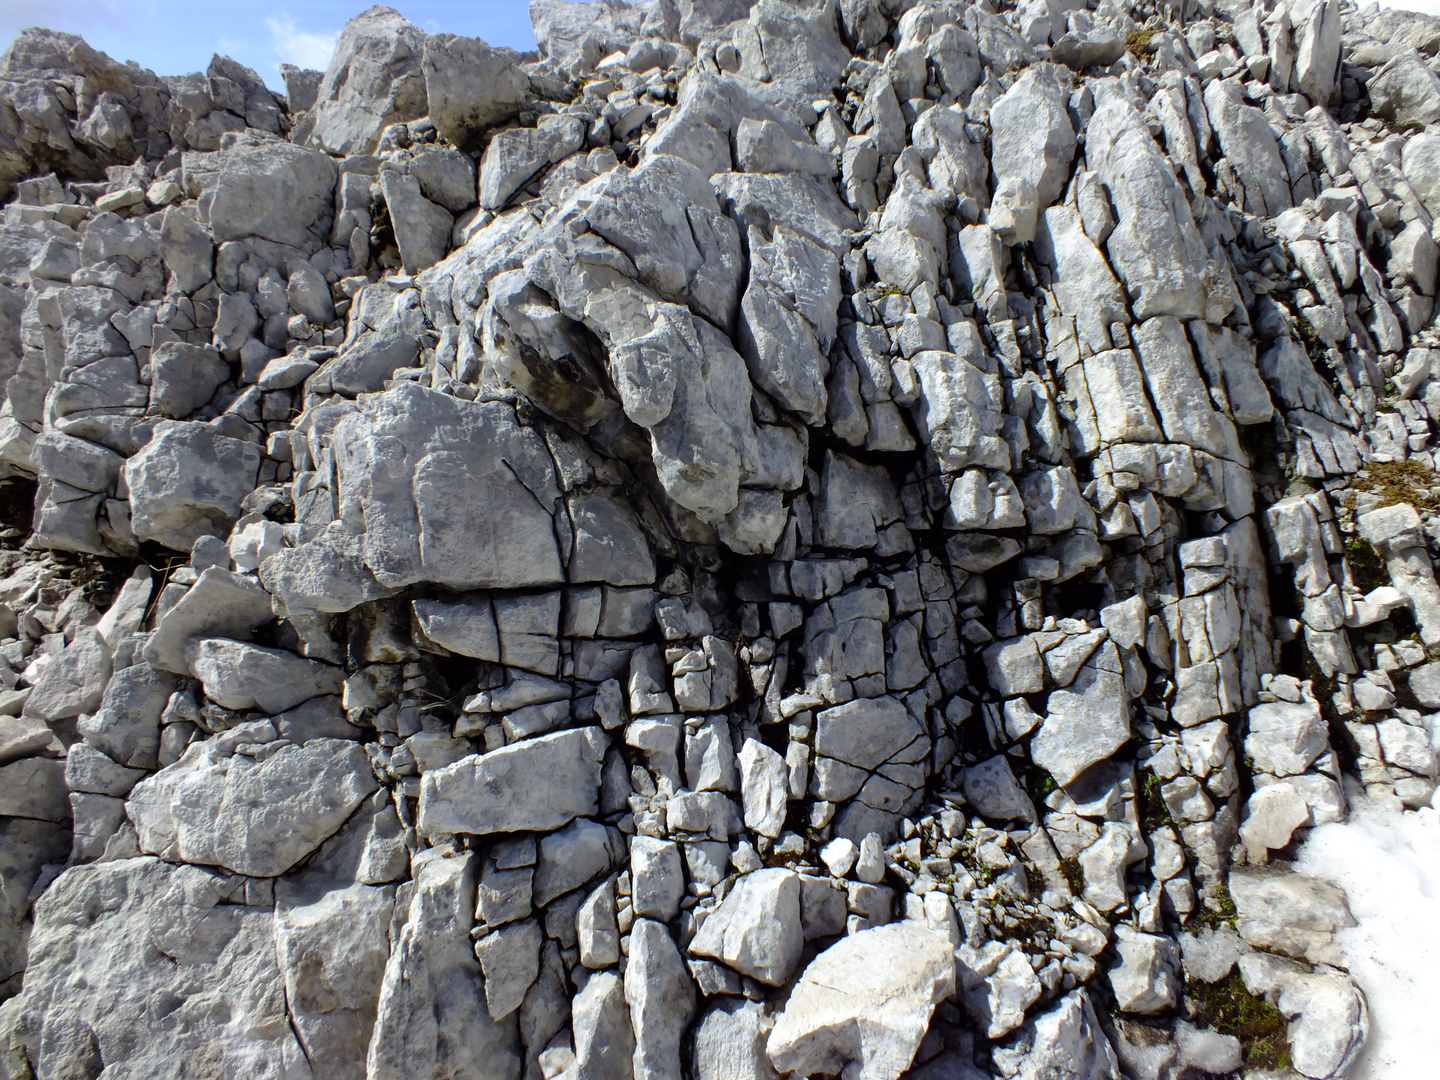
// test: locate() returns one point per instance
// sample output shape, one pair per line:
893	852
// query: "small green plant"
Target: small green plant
1218	910
1231	1010
1074	875
886	289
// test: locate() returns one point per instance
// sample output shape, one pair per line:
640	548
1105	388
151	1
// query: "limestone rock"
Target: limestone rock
432	1015
188	482
541	783
865	1000
757	929
252	817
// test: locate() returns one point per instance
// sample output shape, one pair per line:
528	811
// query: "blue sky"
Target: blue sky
172	37
175	36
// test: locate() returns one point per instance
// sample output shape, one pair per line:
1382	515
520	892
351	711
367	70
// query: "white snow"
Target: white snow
1388	863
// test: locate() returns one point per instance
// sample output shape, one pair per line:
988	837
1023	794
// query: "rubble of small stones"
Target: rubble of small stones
767	537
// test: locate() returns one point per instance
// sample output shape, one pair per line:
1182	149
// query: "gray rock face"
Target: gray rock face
716	485
241	676
756	930
422	229
272	191
374	80
1155	246
188	482
1032	135
142	930
432	1014
1086	723
184	378
471	500
516	155
1406	91
1066	1040
661	999
866	1000
542	783
250	816
469	86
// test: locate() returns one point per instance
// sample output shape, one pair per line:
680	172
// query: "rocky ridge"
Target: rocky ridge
766	538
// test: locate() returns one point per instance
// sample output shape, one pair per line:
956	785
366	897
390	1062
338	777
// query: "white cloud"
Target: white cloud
302	48
1388	863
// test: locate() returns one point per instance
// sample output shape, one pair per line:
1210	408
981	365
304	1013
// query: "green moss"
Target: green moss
1218	909
886	289
1399	482
1074	875
1319	354
1367	569
1153	811
1231	1010
1138	42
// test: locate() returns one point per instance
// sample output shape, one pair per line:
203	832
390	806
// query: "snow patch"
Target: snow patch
1388	862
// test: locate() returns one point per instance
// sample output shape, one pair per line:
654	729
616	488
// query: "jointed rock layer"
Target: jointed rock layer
766	538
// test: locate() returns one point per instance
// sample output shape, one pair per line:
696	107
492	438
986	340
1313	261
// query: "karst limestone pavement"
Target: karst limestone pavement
770	537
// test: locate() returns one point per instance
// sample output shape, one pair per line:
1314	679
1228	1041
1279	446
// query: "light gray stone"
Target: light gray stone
1144	981
250	816
241	676
422	229
538	784
514	156
72	682
1086	723
604	1040
432	1018
187	482
274	191
661	999
145	930
456	69
510	960
1031	134
764	782
1065	1041
866	1001
756	930
373	80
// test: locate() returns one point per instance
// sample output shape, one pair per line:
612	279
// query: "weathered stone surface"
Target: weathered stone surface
274	191
241	676
757	929
1066	1041
221	603
469	86
374	79
252	817
542	783
1086	723
188	482
468	502
661	999
432	1018
139	930
73	682
1032	137
34	788
866	1000
516	155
